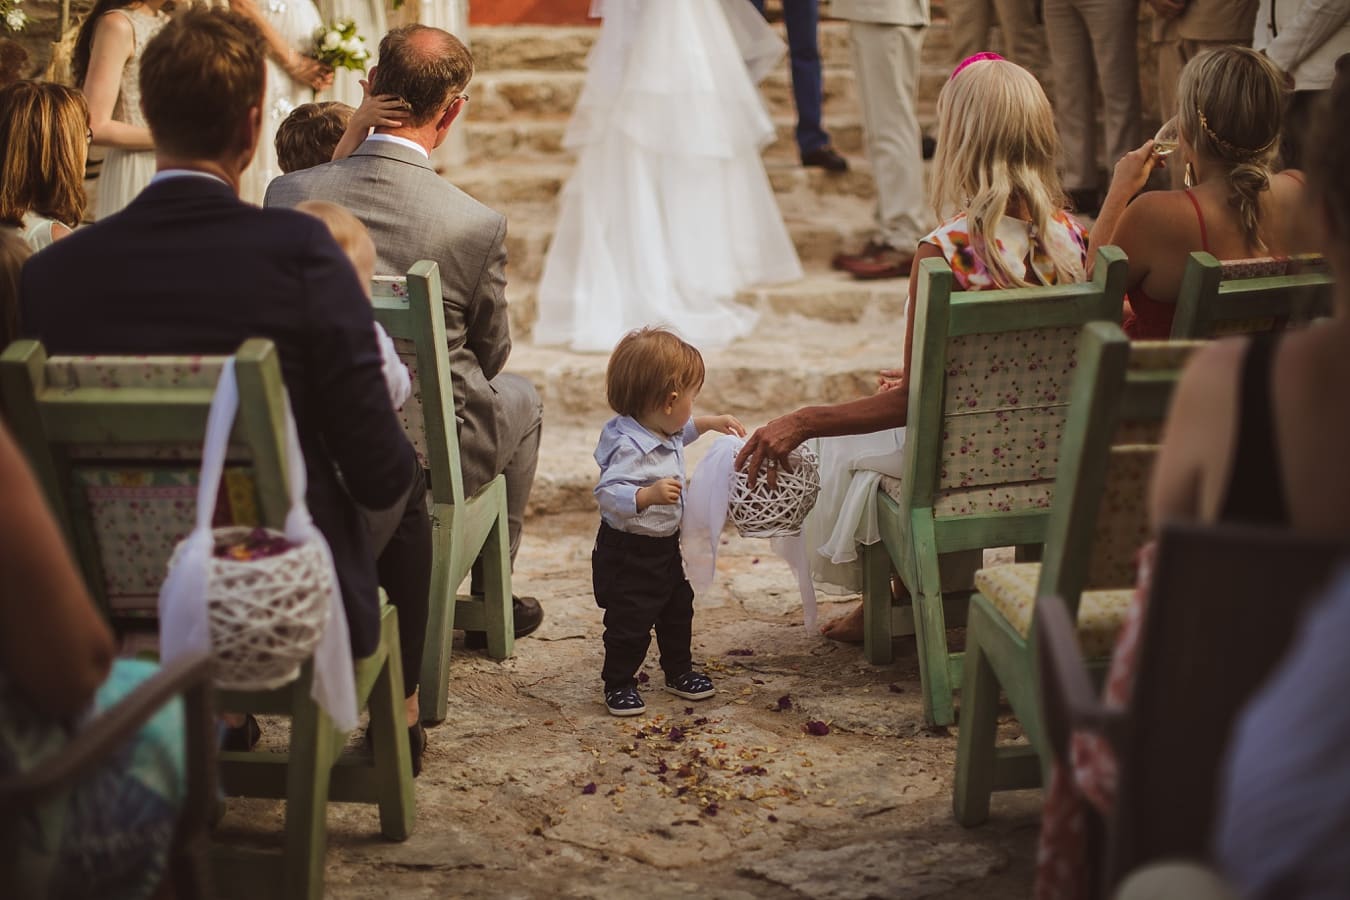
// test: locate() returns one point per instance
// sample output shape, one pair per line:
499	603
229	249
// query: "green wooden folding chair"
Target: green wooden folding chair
464	529
1099	521
988	398
1248	295
116	443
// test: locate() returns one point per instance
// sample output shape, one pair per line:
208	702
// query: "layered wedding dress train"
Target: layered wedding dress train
669	212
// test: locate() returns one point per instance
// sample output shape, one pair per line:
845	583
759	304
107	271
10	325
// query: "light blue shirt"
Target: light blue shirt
631	457
1285	809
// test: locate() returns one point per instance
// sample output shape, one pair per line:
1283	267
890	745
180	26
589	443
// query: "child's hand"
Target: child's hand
721	424
387	110
889	379
661	493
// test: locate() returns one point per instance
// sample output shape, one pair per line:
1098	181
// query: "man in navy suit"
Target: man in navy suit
188	267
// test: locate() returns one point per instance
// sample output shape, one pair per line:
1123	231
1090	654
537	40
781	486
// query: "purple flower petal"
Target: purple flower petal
710	809
896	689
643	678
688	710
817	728
589	789
784	703
742	651
772	817
675	735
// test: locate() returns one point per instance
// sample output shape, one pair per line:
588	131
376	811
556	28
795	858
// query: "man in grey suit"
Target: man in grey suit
413	213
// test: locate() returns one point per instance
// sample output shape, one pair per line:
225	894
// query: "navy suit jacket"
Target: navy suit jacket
188	267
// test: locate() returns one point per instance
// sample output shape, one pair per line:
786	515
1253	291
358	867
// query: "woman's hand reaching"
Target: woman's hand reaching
768	448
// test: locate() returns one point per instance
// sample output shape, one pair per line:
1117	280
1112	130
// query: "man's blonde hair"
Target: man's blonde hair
648	365
996	141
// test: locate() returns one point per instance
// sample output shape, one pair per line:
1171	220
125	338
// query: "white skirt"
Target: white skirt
845	514
125	174
669	212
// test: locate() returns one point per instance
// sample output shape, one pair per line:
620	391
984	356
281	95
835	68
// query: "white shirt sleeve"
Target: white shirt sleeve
395	372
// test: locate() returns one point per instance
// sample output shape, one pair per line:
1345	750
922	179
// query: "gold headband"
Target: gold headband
1232	149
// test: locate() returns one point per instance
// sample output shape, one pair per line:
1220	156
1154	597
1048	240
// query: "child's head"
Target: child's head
650	369
350	235
996	144
309	135
14	252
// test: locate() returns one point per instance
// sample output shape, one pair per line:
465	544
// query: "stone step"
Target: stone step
817	241
531	186
564	49
822	295
788	360
512	94
542	139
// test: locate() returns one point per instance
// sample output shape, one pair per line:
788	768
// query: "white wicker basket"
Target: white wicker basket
266	615
762	512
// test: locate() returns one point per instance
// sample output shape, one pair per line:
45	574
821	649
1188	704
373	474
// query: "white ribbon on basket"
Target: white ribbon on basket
184	617
705	513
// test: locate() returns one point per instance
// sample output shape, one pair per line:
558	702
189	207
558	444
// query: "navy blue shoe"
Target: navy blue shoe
625	701
691	686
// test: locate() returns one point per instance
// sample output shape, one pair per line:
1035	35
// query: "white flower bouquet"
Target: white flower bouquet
339	46
14	18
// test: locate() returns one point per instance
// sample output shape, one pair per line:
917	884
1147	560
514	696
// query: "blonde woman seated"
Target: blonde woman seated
1230	102
995	167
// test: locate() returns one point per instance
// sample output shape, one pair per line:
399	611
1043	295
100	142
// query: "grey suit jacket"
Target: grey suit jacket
413	213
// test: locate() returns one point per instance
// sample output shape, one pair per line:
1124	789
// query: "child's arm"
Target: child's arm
723	424
388	110
620	497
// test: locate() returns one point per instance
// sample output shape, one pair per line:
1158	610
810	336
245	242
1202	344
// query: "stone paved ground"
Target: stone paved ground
727	798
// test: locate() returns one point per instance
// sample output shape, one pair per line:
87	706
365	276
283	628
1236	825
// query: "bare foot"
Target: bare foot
847	628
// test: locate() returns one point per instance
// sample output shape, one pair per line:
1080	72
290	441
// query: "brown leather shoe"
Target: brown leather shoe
870	251
889	263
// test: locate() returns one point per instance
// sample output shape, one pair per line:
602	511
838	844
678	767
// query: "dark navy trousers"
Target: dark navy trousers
802	18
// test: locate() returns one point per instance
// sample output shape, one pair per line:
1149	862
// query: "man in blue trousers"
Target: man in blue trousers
802	18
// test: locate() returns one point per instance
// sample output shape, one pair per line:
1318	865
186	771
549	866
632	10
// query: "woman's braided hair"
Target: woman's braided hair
1230	110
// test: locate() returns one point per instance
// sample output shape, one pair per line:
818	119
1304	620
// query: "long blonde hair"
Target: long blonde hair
1230	110
996	141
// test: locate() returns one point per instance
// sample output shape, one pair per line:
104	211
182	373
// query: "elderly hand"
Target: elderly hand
768	448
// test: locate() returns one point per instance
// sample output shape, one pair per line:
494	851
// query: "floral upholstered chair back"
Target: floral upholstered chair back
1122	525
1267	267
1005	403
135	502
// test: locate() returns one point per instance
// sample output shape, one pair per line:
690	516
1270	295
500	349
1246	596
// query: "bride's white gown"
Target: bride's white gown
296	21
669	212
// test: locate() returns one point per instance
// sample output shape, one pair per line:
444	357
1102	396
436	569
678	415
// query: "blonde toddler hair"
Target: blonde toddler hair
996	141
346	229
647	365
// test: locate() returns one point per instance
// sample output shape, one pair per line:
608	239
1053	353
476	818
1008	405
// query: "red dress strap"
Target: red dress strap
1200	217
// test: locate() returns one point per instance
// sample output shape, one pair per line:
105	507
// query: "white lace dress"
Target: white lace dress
669	211
126	172
296	21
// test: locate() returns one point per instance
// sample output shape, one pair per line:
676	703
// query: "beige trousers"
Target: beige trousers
1087	38
1023	35
886	65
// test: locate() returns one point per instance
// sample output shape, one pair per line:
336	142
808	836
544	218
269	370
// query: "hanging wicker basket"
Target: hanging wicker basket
266	615
761	512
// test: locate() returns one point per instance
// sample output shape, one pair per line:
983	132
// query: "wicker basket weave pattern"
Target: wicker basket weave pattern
760	512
